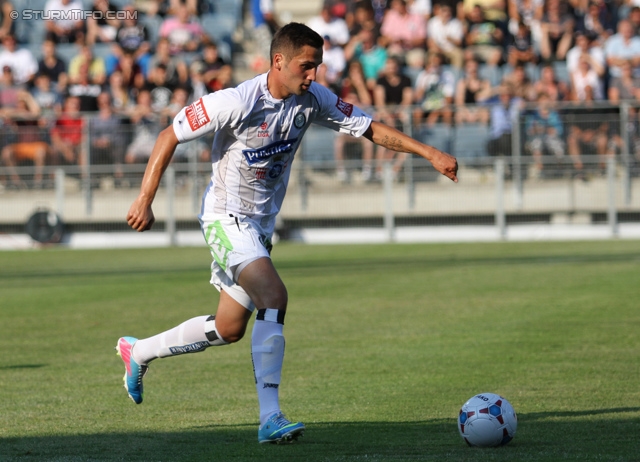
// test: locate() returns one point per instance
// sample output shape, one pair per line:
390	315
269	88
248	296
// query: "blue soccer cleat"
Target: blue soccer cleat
279	430
133	371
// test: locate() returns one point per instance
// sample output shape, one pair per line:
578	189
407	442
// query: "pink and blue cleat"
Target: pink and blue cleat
133	371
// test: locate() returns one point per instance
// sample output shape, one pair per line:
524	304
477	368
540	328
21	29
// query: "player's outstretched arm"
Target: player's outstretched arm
140	216
395	140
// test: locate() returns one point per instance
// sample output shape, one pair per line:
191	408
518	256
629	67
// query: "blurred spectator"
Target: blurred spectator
519	83
6	21
51	65
401	30
335	63
556	30
217	73
119	93
146	124
48	98
65	27
483	38
160	90
372	56
544	134
623	47
634	19
105	29
67	134
85	89
526	12
193	6
598	21
197	81
86	59
265	25
21	61
445	35
626	87
470	91
554	89
354	82
585	45
151	7
494	10
105	148
588	133
177	72
434	92
183	32
504	106
131	71
133	37
364	19
343	141
420	7
393	97
21	137
585	82
520	49
326	23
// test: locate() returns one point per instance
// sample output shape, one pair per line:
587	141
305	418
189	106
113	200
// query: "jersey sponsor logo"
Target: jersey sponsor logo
344	107
191	348
263	132
261	173
197	115
254	156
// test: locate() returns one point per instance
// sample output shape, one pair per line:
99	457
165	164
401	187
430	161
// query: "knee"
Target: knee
231	333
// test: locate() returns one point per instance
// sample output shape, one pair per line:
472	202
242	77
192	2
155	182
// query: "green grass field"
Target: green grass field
384	344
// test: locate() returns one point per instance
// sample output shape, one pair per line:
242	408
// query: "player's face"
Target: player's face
296	74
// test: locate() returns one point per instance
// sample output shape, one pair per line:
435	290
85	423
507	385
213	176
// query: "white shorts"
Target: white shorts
234	242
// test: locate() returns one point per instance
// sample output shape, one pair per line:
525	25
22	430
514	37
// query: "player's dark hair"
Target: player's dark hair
292	37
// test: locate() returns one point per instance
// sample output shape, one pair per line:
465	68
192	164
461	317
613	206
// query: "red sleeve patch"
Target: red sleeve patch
345	108
197	115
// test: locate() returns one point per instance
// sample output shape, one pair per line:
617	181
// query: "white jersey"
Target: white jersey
256	137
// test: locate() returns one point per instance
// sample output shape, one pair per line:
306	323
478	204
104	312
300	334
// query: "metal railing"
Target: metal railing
495	192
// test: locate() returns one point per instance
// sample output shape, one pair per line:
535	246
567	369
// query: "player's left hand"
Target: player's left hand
447	165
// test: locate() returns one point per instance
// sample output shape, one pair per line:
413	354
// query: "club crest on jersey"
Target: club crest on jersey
197	115
299	120
254	156
263	133
344	107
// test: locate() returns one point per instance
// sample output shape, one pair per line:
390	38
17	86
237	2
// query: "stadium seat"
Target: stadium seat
438	135
153	24
220	28
562	73
66	52
317	147
491	73
229	7
470	141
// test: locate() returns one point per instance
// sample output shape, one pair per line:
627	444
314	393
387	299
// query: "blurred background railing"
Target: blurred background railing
587	174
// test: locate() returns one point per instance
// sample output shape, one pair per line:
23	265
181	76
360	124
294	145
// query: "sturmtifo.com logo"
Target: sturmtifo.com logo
72	15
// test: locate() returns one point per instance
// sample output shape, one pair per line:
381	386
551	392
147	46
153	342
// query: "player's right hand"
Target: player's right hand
140	217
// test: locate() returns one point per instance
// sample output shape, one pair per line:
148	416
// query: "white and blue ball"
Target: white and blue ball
487	420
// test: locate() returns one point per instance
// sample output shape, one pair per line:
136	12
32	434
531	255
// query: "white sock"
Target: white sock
267	351
191	336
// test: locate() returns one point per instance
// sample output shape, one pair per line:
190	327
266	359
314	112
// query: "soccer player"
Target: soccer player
258	126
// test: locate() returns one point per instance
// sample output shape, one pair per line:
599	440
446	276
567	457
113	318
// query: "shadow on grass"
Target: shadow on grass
22	366
583	435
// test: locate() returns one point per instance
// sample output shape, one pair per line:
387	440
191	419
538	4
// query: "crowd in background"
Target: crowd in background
446	62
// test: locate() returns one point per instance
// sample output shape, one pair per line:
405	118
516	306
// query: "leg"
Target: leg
263	284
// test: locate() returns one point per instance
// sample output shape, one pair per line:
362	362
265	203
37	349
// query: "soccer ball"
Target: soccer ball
487	420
